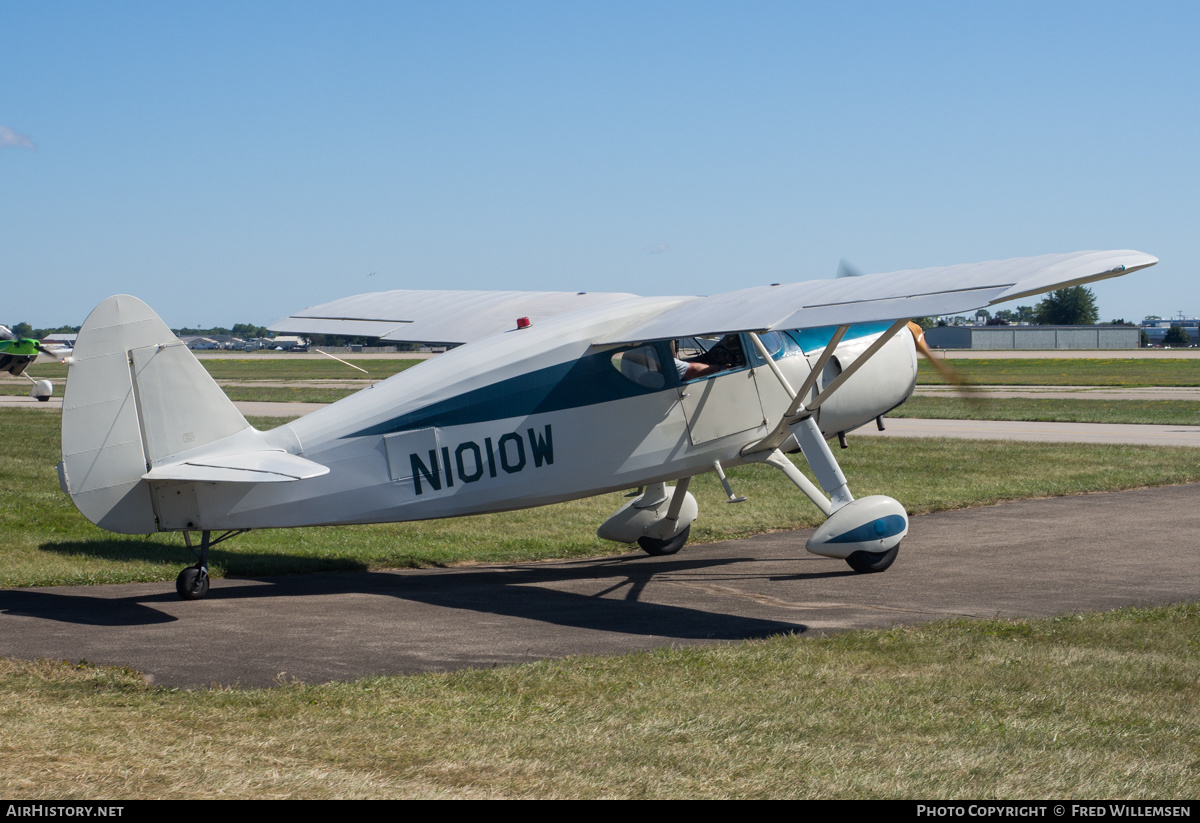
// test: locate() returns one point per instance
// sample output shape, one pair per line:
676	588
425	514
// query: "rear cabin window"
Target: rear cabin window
640	366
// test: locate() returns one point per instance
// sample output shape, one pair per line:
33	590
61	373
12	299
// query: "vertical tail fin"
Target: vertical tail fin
135	396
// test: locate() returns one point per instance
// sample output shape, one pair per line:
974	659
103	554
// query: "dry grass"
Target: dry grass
1095	706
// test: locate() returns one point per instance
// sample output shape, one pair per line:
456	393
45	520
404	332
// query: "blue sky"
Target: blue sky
234	162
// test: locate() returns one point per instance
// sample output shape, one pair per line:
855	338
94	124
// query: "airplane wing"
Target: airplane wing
433	316
463	316
877	297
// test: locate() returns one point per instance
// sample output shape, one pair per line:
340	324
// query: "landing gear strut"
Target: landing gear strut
192	582
866	533
658	519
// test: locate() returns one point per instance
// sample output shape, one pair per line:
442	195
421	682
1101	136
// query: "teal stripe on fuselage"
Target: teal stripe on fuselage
818	338
590	380
587	381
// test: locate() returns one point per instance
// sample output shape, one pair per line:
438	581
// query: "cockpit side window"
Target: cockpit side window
697	357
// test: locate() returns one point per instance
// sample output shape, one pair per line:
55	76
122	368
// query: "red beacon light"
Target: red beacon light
523	322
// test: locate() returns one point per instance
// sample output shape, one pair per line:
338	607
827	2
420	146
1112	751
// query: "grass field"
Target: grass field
47	542
1161	412
1131	372
1049	372
1083	706
222	368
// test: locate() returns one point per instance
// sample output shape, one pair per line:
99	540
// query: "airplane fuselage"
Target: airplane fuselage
534	416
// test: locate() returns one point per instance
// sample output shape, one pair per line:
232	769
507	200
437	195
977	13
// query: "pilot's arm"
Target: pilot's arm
690	371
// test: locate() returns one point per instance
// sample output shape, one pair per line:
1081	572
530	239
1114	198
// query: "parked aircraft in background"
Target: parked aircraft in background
16	354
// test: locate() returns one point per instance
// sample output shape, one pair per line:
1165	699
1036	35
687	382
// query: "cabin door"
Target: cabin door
722	405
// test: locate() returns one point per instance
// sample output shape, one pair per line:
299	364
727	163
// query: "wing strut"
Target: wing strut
780	461
863	358
866	533
798	422
798	400
798	408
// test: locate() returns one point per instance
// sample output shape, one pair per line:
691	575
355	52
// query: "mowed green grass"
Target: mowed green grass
47	542
1082	706
275	368
302	391
1160	412
279	368
249	369
1132	372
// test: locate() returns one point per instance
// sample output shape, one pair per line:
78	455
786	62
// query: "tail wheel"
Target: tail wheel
868	562
192	583
658	548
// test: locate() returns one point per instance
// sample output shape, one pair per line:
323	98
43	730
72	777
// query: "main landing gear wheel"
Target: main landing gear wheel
867	562
192	583
659	548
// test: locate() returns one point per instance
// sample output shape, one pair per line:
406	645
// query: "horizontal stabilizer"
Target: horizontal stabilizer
248	467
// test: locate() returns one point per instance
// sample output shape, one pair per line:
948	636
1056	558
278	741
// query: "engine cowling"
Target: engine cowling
880	385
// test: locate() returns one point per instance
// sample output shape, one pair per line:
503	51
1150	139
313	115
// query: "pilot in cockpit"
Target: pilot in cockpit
697	357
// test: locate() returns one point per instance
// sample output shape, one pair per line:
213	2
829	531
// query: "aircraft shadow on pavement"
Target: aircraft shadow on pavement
80	609
242	563
603	595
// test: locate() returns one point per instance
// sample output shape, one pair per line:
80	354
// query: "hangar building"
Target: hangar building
991	338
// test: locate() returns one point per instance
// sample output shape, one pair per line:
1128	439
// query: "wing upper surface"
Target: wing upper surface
436	316
890	296
443	316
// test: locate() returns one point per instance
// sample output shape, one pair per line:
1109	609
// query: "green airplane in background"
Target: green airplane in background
17	353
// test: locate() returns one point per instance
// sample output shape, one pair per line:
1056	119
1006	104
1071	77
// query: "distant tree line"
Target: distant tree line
24	330
243	330
1075	306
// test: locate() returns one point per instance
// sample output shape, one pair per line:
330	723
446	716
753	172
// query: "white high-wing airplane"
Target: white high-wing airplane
554	396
